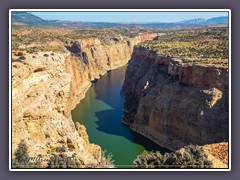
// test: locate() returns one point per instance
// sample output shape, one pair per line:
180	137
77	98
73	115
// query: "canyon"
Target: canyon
174	103
175	92
46	86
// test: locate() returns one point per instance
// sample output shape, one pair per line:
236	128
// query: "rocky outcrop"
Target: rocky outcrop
218	154
175	104
41	88
46	86
93	58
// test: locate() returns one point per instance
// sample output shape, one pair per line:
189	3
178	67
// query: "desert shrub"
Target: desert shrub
59	159
214	153
191	156
22	57
30	51
61	149
186	61
45	55
19	54
53	149
64	161
22	159
107	159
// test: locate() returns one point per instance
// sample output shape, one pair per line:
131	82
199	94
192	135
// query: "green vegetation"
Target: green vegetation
60	157
19	54
202	45
61	149
214	153
22	159
107	159
35	39
64	161
22	57
191	156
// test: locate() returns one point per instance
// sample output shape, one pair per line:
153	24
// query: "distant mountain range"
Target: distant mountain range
211	21
25	18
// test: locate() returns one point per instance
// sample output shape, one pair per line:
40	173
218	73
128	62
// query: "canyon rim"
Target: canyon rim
175	90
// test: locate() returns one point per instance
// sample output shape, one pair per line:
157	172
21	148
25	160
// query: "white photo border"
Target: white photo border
116	10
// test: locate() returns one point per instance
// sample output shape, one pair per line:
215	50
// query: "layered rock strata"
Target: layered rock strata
46	86
175	104
40	90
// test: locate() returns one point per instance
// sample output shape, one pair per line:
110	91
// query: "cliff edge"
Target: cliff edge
46	86
174	103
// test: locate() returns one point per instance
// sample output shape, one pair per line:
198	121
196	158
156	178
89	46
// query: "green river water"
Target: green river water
101	111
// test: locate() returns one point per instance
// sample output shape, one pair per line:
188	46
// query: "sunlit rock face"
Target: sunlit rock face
175	104
46	86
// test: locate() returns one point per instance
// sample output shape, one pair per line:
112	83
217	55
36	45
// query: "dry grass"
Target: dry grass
205	45
34	39
218	150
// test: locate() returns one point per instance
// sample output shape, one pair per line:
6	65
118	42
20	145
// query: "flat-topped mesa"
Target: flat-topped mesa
175	103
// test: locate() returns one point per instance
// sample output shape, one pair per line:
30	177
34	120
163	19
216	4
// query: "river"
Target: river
101	111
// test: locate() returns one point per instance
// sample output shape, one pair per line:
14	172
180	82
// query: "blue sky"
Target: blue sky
127	17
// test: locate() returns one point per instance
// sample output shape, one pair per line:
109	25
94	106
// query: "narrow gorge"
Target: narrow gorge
139	94
174	103
167	102
46	86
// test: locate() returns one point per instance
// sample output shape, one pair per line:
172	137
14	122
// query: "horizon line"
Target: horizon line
135	17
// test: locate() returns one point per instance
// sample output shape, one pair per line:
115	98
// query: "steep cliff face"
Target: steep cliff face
40	89
91	58
46	86
175	104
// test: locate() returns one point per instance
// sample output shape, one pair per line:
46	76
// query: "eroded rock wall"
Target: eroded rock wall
46	86
40	90
93	58
175	104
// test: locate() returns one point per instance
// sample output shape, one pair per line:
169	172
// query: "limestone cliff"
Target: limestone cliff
89	59
40	89
175	104
46	86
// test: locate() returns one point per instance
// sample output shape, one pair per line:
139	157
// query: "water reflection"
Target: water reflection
101	111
